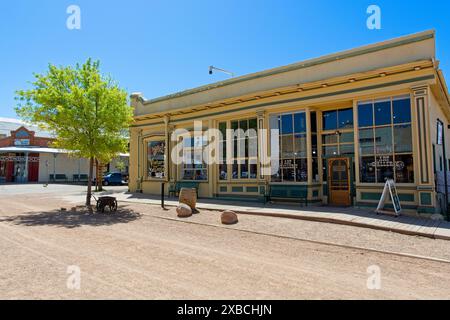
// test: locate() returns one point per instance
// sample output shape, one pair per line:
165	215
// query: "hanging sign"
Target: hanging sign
390	190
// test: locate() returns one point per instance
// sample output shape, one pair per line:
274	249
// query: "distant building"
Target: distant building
27	155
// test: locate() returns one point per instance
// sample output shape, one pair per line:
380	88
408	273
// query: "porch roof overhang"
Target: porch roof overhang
32	150
43	150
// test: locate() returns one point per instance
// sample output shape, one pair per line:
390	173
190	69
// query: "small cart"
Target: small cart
103	202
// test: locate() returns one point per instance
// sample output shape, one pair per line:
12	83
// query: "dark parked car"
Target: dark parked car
113	178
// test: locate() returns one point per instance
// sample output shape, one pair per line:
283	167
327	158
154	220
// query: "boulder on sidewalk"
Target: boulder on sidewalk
189	197
229	217
184	211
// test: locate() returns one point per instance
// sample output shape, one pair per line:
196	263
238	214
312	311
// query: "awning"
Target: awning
42	150
32	150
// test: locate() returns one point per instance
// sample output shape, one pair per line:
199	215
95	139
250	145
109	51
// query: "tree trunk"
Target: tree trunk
89	190
96	174
99	176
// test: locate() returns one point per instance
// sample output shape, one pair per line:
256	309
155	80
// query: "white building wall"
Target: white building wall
62	164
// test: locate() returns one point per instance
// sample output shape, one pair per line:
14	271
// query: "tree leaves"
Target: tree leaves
88	112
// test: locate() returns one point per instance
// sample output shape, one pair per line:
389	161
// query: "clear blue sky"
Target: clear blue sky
160	47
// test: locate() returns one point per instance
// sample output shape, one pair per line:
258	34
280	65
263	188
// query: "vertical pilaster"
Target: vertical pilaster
322	177
172	168
357	149
424	178
167	165
25	173
140	151
212	163
309	154
263	152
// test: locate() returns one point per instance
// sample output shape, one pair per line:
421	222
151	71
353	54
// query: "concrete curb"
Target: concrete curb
347	223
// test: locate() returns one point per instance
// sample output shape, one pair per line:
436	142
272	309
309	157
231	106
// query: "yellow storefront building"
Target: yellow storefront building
329	131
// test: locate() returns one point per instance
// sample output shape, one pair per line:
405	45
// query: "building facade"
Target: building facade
336	127
26	156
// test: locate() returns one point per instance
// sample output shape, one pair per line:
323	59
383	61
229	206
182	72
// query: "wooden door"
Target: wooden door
339	182
33	167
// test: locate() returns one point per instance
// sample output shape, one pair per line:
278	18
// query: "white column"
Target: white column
54	167
25	172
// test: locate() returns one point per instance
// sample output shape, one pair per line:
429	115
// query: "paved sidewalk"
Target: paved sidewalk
430	228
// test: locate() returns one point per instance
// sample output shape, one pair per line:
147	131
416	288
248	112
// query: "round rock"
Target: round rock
184	211
229	217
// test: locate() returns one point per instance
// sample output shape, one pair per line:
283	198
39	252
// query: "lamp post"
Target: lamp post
212	68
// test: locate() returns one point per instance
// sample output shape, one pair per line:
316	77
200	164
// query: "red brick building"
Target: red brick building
20	154
27	155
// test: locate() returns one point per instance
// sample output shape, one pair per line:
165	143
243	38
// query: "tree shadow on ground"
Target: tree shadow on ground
73	219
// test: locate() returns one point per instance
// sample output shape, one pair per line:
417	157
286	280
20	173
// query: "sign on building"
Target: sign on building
22	142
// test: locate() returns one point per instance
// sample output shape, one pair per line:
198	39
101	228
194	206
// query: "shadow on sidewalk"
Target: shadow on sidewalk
70	219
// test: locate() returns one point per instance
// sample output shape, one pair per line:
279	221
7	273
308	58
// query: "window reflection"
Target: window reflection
365	114
345	118
382	112
292	148
337	119
402	109
386	143
403	138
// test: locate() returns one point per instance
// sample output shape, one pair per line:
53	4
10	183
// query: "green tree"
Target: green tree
121	165
87	111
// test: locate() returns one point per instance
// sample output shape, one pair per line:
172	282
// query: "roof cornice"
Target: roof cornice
422	36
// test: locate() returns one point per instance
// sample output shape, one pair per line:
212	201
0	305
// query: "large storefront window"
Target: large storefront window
385	140
194	166
245	149
292	147
243	143
156	159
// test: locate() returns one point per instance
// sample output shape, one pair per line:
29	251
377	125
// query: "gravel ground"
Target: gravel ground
143	252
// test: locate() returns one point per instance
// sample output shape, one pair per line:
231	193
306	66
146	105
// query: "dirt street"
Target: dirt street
143	252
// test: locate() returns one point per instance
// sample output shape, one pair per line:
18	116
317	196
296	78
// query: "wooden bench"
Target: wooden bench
294	192
80	178
175	188
58	178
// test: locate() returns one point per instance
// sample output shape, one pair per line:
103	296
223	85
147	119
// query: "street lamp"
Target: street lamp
212	68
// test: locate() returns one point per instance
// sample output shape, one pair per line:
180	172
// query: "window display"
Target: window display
156	159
